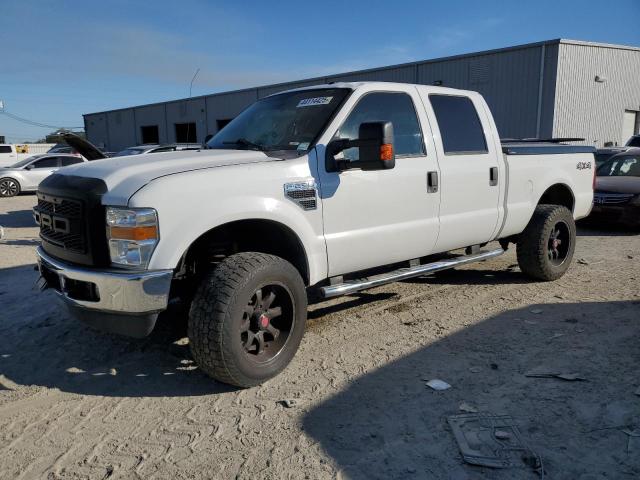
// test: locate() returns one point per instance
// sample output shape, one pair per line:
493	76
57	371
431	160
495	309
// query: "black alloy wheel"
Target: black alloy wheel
267	322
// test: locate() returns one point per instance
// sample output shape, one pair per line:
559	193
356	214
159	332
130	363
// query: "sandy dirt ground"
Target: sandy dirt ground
79	404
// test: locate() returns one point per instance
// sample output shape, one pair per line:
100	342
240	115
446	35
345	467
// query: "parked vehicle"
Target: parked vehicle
61	148
634	141
145	149
309	193
604	154
26	175
616	199
8	155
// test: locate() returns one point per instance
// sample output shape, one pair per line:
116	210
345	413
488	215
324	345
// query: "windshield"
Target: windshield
22	163
628	166
130	151
288	121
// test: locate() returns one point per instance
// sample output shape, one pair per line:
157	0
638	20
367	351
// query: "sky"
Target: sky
61	59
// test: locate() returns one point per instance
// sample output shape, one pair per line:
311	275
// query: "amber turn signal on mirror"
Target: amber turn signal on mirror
386	151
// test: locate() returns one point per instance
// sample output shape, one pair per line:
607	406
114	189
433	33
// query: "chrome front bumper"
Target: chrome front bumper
107	291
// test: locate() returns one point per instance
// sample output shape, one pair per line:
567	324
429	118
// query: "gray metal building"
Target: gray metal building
559	88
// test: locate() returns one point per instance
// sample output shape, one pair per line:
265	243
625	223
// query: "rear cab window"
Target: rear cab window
460	127
5	149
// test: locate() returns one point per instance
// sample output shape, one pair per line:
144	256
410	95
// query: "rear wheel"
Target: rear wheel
9	187
546	246
247	318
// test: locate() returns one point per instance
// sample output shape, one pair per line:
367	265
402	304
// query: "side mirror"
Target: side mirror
375	142
29	167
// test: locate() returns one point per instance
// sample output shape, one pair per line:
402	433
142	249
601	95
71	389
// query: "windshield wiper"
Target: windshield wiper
245	143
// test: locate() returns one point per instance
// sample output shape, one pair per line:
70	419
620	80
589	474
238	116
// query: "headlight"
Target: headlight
132	234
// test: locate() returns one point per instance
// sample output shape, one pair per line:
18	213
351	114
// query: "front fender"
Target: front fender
213	198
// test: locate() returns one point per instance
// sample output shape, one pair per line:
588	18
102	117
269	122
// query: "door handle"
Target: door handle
493	176
432	182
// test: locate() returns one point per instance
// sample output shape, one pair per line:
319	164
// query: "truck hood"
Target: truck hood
124	176
84	147
618	184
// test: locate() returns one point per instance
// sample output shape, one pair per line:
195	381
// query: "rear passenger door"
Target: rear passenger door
469	186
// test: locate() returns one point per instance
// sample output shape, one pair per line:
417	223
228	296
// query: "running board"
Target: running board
352	286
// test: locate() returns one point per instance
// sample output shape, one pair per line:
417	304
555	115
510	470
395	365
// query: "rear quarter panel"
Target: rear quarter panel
529	176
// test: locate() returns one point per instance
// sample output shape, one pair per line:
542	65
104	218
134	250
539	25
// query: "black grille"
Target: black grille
72	226
67	208
61	223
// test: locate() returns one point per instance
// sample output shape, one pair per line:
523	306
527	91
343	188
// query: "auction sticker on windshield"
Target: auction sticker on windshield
310	102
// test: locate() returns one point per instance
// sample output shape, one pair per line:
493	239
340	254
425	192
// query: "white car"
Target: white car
314	192
154	148
8	155
26	175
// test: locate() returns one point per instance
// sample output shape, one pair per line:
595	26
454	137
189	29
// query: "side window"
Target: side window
5	149
49	162
66	161
459	124
385	107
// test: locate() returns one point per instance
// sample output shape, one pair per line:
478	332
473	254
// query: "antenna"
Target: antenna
190	88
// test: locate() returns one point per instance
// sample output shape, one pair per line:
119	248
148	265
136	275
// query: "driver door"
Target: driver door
373	218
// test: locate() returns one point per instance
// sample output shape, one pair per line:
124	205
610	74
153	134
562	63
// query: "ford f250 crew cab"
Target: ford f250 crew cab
309	193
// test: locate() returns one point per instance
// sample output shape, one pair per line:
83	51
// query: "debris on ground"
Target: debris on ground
493	441
537	311
582	261
475	369
466	407
438	384
637	392
630	433
570	377
556	335
289	402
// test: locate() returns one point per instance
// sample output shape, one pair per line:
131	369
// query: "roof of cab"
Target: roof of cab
381	86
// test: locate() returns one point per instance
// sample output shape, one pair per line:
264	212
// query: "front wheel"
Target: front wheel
9	187
247	318
546	246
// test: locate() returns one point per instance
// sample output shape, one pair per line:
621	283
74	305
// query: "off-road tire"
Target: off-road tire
533	244
217	310
9	192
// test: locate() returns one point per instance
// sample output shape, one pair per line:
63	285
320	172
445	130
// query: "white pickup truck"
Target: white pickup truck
309	193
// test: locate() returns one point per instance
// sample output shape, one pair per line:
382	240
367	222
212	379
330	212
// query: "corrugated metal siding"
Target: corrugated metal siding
96	129
548	91
404	74
586	108
508	80
186	111
121	129
227	106
270	90
151	115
